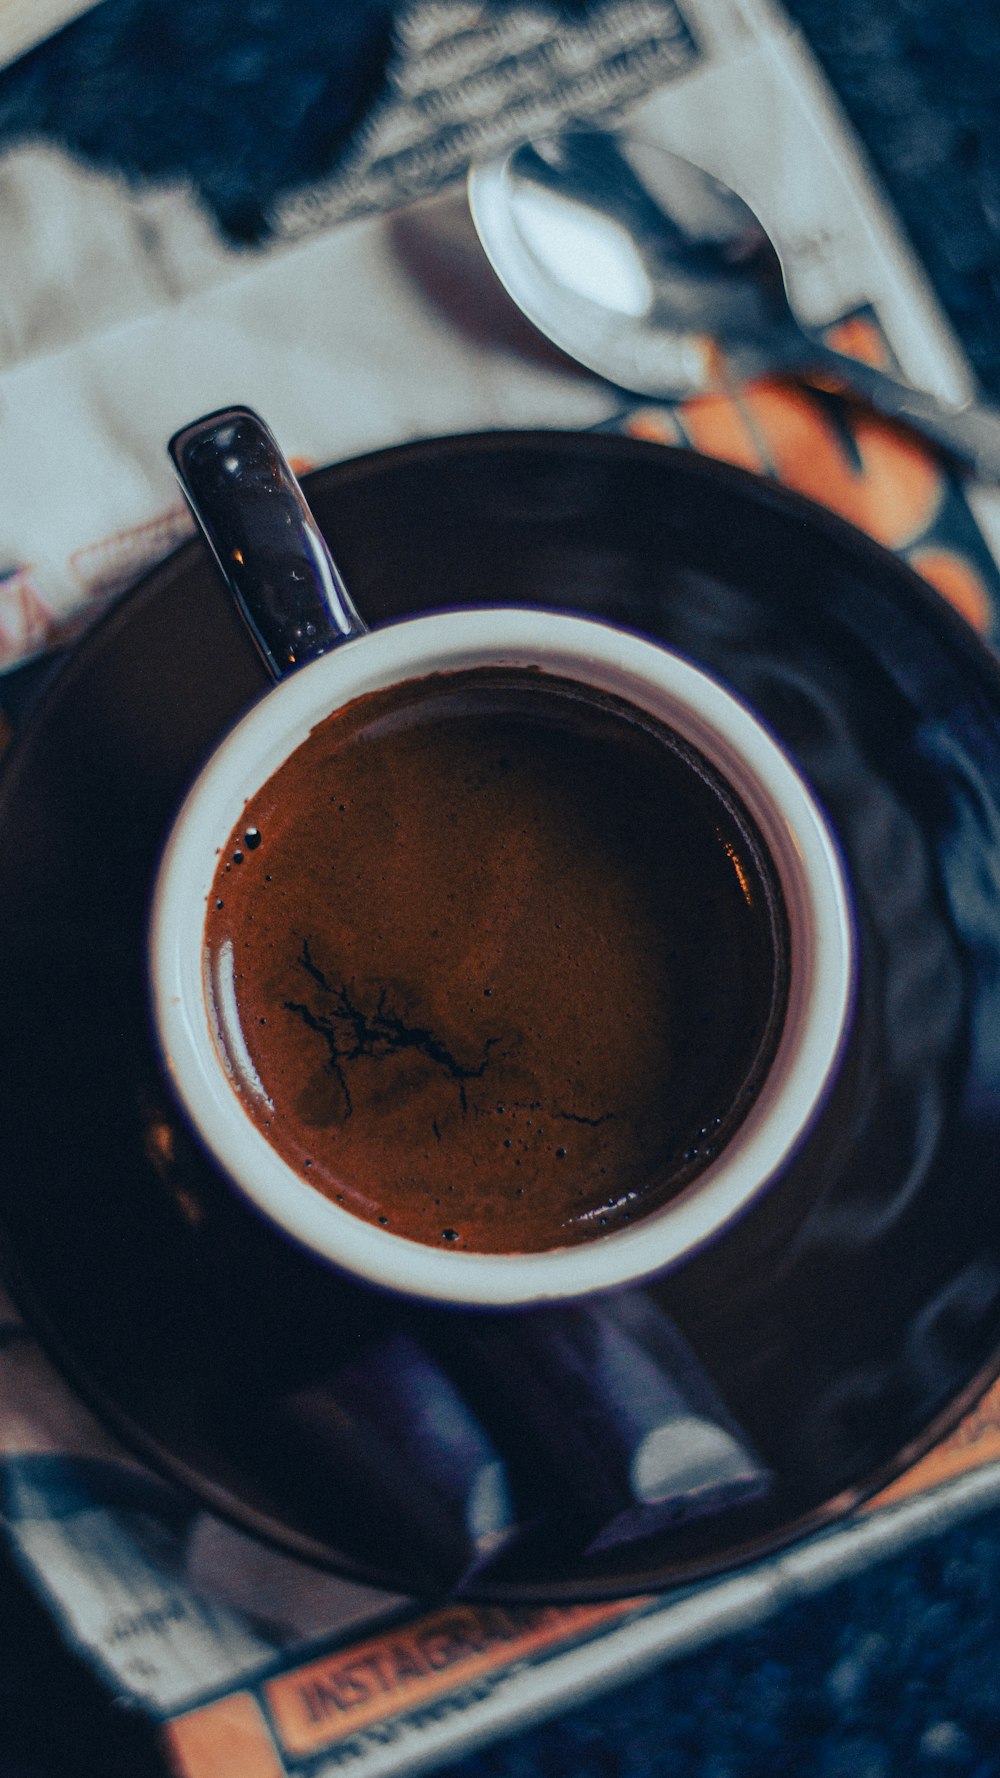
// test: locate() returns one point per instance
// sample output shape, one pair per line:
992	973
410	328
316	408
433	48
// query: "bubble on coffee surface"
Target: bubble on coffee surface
517	962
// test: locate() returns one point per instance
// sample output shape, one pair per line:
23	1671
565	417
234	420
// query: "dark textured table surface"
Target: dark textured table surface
894	1671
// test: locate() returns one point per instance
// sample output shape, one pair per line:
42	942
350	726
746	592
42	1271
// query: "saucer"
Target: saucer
842	1325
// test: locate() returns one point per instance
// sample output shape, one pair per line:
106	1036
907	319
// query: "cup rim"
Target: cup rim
696	705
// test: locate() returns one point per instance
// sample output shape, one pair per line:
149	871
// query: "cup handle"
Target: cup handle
266	543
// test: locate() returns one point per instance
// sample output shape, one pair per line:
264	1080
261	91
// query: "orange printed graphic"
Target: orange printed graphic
108	566
722	426
974	1443
655	424
889	484
407	1667
892	491
27	621
228	1739
859	337
958	580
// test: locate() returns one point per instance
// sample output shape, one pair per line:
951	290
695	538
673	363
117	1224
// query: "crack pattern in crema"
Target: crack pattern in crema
350	1032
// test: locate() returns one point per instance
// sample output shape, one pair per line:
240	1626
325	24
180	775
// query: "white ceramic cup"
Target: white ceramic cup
669	688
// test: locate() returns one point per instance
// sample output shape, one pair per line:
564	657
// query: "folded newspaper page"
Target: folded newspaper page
23	23
347	338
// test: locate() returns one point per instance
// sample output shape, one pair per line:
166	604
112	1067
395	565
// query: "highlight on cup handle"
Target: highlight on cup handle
265	541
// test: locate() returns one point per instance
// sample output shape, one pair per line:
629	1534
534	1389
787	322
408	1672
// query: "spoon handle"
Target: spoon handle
971	433
266	543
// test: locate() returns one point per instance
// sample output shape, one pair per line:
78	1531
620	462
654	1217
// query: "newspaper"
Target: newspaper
23	23
253	1662
257	1664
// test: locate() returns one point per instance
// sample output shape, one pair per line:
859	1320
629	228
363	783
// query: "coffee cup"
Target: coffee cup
498	956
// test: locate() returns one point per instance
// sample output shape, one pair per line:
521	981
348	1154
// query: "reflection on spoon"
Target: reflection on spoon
661	279
593	256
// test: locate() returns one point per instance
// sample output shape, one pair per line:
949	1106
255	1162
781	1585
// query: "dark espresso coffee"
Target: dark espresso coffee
497	962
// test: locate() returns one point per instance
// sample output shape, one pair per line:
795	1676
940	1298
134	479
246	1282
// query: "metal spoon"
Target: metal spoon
661	279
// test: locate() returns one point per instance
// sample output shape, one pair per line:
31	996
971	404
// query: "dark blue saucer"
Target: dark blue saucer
844	1323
